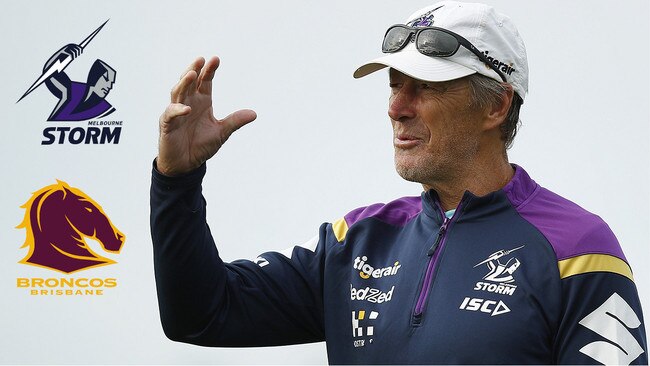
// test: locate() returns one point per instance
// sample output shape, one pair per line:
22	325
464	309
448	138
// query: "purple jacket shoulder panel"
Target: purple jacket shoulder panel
570	229
398	212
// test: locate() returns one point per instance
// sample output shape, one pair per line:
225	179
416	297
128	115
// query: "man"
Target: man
485	266
79	101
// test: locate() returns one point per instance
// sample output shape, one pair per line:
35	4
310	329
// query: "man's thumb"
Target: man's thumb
236	120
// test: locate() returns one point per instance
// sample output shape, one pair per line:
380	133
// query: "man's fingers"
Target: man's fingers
238	119
185	85
196	65
207	74
180	90
172	111
191	87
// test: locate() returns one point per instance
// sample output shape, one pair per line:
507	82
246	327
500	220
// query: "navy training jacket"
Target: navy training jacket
519	276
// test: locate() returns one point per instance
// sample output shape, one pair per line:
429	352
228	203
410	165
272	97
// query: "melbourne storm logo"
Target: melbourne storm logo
78	101
500	272
499	279
58	219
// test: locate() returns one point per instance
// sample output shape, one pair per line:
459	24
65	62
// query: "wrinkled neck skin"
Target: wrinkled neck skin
487	172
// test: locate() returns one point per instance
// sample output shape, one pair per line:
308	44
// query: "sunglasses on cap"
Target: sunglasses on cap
431	41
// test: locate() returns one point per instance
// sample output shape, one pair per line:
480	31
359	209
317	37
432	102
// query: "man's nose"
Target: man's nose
401	106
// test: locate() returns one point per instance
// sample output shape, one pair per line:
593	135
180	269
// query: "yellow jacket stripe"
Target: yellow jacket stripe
340	228
594	263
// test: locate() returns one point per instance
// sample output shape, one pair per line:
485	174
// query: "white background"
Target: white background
321	145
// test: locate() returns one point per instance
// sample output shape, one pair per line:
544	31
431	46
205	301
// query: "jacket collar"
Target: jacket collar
519	190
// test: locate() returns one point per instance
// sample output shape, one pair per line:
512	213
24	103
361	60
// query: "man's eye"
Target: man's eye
433	87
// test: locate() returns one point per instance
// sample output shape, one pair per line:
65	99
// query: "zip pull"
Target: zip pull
441	233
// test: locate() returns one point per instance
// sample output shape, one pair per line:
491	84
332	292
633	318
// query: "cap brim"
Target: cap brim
414	64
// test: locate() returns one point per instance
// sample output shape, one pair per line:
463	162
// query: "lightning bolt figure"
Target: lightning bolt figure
60	65
499	254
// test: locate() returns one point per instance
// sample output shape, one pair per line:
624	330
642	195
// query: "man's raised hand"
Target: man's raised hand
189	132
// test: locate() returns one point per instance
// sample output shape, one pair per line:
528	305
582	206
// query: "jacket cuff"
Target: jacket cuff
187	180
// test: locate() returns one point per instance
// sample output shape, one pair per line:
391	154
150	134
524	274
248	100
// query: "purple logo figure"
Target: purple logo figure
58	220
425	20
77	101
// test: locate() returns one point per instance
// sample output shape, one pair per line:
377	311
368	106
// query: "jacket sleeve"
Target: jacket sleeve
276	300
602	322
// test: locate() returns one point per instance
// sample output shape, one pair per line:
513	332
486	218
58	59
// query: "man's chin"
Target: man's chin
409	172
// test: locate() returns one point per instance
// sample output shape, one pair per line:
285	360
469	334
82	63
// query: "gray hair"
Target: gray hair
486	92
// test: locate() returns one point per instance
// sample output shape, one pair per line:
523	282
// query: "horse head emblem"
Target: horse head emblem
58	220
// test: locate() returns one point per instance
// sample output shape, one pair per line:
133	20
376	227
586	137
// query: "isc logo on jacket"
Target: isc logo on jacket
485	306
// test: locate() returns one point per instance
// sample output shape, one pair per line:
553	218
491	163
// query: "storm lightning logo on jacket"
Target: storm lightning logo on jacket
500	274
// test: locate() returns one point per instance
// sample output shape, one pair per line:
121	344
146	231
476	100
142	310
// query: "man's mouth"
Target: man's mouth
406	141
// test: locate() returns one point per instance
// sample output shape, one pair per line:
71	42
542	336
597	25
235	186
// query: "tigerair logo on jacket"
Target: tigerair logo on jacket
367	271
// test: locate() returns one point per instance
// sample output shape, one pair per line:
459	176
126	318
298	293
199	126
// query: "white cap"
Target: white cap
492	33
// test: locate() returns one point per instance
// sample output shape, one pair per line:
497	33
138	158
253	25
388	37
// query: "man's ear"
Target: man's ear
497	113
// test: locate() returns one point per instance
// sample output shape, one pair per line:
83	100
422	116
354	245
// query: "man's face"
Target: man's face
435	129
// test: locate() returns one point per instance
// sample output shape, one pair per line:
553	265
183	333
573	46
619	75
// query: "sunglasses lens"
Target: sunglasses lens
395	39
433	42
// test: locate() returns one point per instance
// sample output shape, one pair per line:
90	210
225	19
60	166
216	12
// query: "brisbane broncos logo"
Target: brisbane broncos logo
58	219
